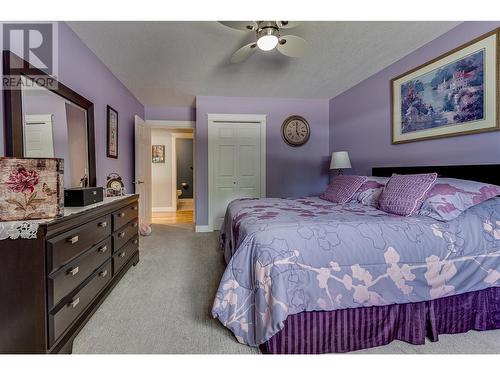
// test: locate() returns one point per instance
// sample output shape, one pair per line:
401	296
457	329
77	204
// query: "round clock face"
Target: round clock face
295	131
115	185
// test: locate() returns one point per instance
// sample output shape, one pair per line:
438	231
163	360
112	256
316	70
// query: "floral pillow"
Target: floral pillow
370	191
404	194
450	197
343	188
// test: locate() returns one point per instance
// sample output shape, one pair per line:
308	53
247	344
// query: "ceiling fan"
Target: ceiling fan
268	36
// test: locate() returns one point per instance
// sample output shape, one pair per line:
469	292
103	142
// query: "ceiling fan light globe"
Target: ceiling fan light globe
267	42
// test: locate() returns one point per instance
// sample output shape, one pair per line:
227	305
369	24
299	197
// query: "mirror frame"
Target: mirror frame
13	111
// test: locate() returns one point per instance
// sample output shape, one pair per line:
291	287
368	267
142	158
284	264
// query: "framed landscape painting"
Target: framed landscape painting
454	94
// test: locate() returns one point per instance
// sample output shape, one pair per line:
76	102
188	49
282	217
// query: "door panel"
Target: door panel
226	162
225	133
247	164
143	170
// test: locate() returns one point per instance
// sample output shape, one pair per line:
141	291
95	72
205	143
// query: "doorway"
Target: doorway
184	177
172	175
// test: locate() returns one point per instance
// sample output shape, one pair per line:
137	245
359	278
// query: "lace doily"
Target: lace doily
18	229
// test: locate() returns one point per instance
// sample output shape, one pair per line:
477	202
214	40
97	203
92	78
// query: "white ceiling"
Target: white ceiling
169	63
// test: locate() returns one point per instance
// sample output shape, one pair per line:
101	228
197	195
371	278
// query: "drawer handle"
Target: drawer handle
74	303
134	208
104	224
135	242
103	249
73	271
121	214
121	234
103	273
122	254
134	225
73	239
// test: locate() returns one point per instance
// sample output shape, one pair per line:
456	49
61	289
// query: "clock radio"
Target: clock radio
82	196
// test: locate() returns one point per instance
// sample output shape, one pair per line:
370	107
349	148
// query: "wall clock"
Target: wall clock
295	131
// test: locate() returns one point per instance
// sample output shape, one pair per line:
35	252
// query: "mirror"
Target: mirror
54	127
46	119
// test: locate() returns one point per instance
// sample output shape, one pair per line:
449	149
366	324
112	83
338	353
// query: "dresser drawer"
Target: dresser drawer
61	320
124	234
126	214
70	276
121	257
67	246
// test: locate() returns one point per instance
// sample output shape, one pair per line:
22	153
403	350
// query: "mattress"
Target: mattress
286	256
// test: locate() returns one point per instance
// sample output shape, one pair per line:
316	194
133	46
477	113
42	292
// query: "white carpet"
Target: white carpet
163	306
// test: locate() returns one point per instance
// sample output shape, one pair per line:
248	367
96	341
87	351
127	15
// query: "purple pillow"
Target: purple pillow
450	197
404	194
370	191
342	188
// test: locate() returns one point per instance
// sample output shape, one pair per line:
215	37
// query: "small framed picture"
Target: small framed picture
158	153
112	133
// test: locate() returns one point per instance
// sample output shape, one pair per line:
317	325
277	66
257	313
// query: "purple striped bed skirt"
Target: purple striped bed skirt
347	330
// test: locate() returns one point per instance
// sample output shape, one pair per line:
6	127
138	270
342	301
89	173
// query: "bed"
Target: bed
308	276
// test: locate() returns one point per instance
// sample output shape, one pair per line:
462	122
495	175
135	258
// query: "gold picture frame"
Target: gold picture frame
454	94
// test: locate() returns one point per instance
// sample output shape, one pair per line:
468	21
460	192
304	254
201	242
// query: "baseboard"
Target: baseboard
163	209
203	228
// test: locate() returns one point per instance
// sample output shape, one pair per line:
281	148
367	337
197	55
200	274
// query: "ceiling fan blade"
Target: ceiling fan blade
287	24
292	46
240	25
244	52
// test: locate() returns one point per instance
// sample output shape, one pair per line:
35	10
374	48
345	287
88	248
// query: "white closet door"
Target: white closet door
235	149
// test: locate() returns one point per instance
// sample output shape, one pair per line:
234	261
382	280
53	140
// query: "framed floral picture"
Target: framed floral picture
112	133
455	94
158	153
31	188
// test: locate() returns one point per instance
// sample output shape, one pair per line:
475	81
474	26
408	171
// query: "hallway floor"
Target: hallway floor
183	215
178	217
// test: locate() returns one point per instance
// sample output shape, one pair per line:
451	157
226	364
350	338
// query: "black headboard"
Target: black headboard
488	173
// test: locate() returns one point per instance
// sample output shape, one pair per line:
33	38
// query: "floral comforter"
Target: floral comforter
286	256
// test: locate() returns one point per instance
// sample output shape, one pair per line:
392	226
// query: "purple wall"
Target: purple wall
360	117
290	171
170	113
83	72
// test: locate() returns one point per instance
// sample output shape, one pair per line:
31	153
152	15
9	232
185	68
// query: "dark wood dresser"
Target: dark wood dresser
50	286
